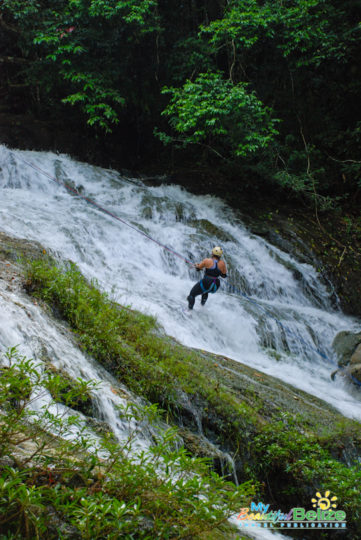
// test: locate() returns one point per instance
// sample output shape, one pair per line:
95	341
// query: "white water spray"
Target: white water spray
37	336
138	272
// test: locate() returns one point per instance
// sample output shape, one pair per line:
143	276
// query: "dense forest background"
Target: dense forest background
265	93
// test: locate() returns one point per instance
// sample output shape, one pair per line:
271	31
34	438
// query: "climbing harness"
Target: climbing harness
231	289
212	289
212	273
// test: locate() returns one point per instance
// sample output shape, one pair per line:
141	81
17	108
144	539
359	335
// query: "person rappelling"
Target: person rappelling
214	268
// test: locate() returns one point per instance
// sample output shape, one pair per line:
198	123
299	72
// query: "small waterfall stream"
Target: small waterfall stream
39	337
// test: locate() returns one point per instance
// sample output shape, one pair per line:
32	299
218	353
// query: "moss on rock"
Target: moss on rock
278	435
281	438
70	392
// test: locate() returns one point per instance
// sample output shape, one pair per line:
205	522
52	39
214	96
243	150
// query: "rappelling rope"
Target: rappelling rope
230	287
102	209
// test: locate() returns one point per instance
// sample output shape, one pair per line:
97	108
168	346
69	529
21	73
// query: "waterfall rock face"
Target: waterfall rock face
348	348
274	312
200	425
345	344
241	419
356	357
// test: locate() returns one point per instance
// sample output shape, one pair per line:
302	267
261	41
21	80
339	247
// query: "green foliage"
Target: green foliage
137	12
20	9
244	22
281	449
225	117
89	46
94	99
212	71
278	46
130	345
290	453
66	486
70	392
190	55
308	32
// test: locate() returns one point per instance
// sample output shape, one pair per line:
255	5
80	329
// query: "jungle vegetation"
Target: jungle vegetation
264	92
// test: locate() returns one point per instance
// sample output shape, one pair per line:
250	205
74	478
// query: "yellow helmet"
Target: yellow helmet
217	251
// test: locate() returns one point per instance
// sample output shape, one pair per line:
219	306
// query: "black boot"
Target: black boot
204	299
191	301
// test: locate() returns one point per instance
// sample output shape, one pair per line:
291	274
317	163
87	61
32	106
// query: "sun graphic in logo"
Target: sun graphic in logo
324	502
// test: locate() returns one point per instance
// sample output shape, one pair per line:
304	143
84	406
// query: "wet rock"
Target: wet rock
355	373
57	525
100	427
69	393
210	229
279	232
147	212
13	248
348	348
199	446
189	412
356	357
345	345
6	461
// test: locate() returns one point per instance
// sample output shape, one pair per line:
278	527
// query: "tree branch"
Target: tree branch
315	195
204	146
233	62
12	60
343	160
8	27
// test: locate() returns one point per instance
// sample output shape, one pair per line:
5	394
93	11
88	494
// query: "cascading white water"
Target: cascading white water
138	272
38	337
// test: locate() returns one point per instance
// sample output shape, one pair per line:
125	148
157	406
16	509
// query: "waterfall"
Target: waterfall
140	273
25	325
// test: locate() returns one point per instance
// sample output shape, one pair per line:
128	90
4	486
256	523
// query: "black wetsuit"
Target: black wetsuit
208	284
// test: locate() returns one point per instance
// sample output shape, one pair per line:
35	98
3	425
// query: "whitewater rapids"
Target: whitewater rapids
138	272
